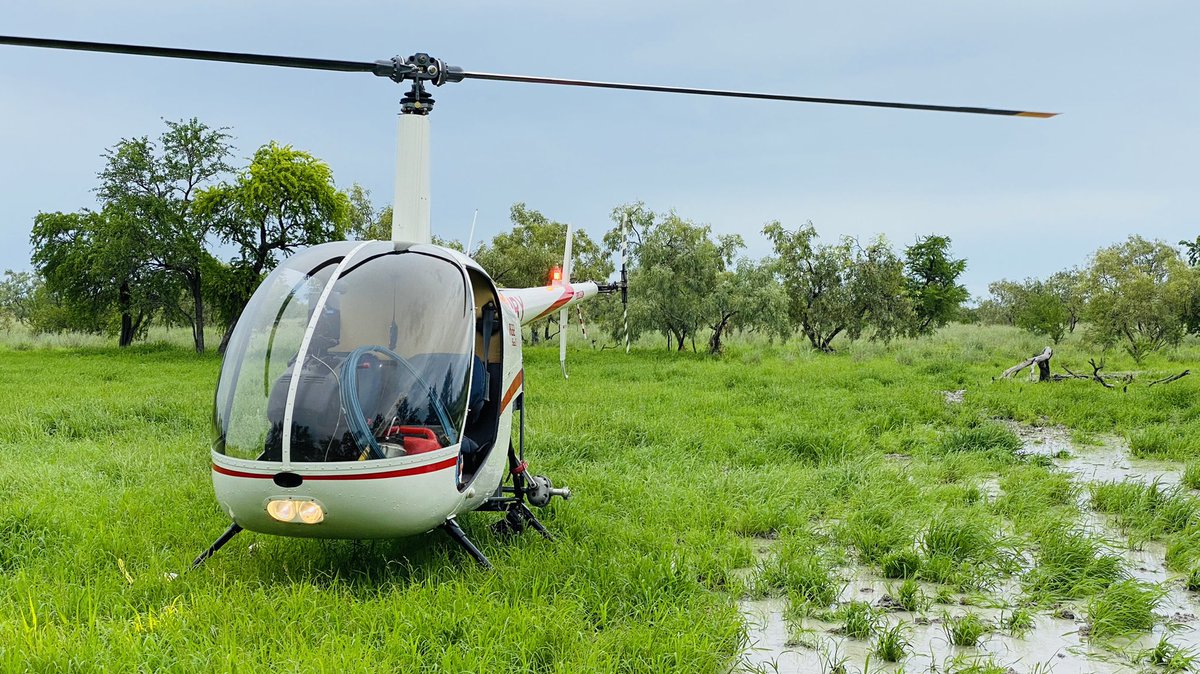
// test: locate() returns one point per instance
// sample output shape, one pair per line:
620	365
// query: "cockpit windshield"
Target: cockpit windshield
349	352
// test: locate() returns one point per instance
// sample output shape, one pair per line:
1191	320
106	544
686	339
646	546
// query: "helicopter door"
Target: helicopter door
483	408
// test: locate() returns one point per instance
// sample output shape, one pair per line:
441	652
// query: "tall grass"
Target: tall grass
675	460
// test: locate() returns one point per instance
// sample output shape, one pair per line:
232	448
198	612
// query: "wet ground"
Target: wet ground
1056	643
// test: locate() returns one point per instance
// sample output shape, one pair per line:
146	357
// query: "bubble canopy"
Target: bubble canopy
349	351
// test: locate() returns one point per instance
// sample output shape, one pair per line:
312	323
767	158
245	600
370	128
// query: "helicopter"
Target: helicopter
369	388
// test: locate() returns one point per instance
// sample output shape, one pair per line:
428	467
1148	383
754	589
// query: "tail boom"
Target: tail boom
531	304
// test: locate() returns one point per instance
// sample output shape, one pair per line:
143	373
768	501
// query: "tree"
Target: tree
18	294
747	298
523	256
1192	248
1070	287
677	270
932	281
285	200
363	222
148	189
1042	311
1141	295
93	271
1005	302
843	288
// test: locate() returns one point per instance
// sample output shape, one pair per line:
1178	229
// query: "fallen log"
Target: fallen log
1168	380
1042	360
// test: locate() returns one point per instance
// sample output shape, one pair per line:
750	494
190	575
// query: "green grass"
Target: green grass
1018	621
891	644
859	619
966	629
1070	564
676	461
1124	608
911	597
900	564
803	573
1169	658
1191	475
1146	510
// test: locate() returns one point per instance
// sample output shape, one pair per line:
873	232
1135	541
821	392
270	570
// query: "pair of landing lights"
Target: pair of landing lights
300	511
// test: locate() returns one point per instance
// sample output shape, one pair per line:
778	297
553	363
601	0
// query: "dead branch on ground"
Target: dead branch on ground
1168	380
1043	366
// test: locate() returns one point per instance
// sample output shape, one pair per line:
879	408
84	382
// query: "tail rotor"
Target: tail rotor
623	284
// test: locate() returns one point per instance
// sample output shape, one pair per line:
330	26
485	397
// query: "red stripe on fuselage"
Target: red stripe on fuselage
512	390
402	472
568	293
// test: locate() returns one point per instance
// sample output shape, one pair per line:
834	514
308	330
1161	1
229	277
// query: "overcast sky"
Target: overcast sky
1019	197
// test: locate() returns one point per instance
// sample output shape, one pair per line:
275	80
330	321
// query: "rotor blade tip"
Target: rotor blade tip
1041	115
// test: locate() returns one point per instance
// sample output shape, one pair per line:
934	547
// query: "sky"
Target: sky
1019	197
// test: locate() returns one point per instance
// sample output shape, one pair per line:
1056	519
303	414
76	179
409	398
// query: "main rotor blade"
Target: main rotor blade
196	54
747	94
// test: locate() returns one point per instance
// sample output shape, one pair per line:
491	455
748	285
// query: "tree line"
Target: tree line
1138	295
182	237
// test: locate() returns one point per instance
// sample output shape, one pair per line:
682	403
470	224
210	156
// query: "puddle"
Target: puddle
1107	462
1054	644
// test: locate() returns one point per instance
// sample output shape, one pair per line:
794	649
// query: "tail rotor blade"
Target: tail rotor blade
625	225
563	316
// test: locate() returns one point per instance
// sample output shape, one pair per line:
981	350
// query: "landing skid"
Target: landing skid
218	544
451	527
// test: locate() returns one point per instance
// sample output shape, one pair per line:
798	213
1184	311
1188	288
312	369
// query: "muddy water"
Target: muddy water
1055	644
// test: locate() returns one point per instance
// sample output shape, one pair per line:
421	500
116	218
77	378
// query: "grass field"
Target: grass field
679	464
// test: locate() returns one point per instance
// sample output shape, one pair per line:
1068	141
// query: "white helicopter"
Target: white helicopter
369	387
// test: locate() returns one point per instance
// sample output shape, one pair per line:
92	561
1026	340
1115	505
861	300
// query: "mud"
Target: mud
1057	642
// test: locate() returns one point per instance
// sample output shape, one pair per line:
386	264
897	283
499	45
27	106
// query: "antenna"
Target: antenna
471	236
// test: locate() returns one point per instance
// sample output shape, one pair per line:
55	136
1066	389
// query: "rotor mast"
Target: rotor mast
410	203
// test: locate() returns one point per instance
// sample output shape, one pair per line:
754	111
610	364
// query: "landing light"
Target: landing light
296	510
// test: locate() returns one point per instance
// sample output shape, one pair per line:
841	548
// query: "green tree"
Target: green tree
1141	293
677	269
1005	302
18	294
932	280
93	271
1070	286
148	188
363	221
1192	249
750	298
1042	311
285	200
843	288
